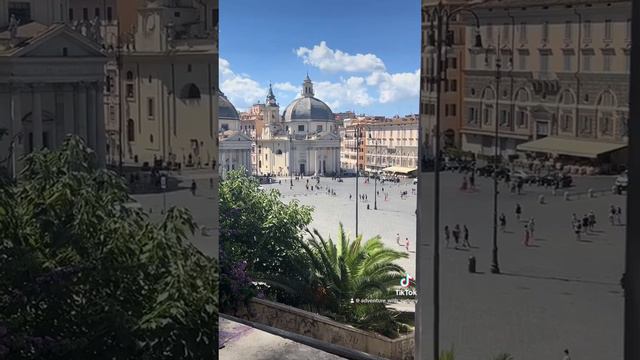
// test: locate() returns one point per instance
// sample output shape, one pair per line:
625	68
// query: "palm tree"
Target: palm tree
346	271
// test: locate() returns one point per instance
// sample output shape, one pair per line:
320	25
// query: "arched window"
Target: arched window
190	91
129	76
131	131
605	113
522	111
566	108
487	106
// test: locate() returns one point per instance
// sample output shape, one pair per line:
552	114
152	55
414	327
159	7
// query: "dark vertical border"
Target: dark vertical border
631	278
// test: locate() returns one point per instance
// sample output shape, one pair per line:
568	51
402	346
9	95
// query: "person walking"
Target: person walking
466	237
577	229
193	187
503	222
518	211
398	239
526	235
447	235
619	215
472	181
585	223
456	235
532	225
592	220
612	215
406	243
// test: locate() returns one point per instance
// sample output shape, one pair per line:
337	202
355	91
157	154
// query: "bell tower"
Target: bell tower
271	108
307	87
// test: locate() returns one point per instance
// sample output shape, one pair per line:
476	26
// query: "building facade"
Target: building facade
235	144
563	89
392	143
51	81
169	82
304	140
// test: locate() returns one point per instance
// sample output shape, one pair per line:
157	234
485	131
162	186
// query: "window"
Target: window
606	126
446	110
568	62
131	131
608	30
109	13
97	13
545	31
504	118
587	30
150	107
453	109
607	58
21	10
189	68
522	58
108	84
65	51
130	93
522	118
523	32
454	62
568	33
486	117
85	14
129	76
70	14
454	85
544	62
300	127
565	122
190	91
586	62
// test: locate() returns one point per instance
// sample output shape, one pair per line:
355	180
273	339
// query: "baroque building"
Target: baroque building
169	77
304	140
564	80
51	80
235	143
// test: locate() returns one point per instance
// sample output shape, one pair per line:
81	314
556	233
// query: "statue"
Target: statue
13	27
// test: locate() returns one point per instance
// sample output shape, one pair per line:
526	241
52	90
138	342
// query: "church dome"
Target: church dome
308	107
226	110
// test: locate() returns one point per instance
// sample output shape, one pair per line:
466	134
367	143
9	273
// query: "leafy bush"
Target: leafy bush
84	277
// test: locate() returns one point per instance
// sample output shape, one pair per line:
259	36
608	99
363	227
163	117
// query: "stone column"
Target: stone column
37	118
91	116
81	110
101	132
68	108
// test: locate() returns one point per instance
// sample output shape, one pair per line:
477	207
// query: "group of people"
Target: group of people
468	184
615	215
405	244
584	224
459	235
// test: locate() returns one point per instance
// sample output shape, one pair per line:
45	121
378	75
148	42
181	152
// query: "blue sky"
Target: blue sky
362	55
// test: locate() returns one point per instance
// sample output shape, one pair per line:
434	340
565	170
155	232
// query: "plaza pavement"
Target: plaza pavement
558	293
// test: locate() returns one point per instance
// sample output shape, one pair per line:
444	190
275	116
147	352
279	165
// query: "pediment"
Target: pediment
51	44
234	136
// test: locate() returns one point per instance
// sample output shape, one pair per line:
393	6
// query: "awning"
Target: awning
399	169
571	147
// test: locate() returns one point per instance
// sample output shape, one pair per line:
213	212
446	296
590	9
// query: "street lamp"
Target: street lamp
291	156
357	136
375	176
439	36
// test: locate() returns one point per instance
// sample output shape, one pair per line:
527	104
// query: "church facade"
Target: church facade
235	143
304	140
51	81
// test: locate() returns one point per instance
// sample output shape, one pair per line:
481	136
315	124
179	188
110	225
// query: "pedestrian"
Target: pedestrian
349	196
447	235
398	238
472	181
592	220
193	187
566	355
585	223
526	235
466	237
503	222
210	183
619	215
518	211
532	224
520	184
612	215
577	229
456	235
406	243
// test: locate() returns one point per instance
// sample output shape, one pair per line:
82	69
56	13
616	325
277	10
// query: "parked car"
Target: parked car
622	181
563	180
503	173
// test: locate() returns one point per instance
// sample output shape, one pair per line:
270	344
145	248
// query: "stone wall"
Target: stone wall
319	327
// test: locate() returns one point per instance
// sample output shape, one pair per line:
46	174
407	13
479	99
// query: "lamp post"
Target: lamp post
438	37
357	136
375	176
291	157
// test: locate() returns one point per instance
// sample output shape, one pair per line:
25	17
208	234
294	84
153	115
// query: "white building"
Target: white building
235	145
303	141
51	80
169	79
392	144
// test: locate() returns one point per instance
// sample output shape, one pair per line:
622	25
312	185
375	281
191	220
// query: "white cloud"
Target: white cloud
348	93
327	59
240	89
395	87
287	87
